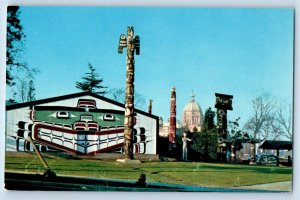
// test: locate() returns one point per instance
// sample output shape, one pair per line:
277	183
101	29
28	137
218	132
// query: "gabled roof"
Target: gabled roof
274	144
70	96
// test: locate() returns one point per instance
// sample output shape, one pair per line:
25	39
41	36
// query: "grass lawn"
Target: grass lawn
187	173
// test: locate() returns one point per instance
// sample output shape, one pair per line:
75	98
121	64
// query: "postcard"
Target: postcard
149	99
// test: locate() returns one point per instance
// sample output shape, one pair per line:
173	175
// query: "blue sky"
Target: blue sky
241	52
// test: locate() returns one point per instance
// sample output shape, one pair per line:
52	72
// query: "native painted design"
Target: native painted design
83	129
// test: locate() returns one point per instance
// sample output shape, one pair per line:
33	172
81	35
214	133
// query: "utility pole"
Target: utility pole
133	46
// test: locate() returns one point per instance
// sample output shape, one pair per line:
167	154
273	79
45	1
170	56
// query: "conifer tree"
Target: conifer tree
209	119
91	82
15	38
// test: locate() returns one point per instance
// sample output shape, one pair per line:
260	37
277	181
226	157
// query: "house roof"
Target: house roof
70	96
274	144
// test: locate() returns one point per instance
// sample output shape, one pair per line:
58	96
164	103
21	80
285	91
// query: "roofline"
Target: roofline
278	141
69	96
223	95
278	144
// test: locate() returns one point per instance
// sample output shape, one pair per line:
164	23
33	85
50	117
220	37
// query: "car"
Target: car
266	160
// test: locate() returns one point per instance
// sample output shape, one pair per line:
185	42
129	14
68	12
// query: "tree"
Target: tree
24	89
20	83
119	95
234	128
91	82
204	145
262	117
31	91
271	129
15	38
284	120
270	120
209	119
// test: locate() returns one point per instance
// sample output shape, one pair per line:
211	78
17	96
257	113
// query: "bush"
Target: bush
204	145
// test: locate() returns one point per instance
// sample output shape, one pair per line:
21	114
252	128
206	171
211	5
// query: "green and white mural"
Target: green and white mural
78	124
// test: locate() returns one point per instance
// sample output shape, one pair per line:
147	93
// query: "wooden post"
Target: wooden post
39	154
48	173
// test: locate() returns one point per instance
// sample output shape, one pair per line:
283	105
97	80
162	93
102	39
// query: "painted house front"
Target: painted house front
82	123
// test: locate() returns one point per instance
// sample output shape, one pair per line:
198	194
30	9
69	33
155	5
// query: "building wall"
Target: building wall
146	125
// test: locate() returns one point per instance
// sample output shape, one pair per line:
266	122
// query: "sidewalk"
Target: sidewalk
285	186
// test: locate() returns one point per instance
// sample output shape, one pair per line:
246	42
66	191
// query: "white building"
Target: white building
192	116
82	123
192	120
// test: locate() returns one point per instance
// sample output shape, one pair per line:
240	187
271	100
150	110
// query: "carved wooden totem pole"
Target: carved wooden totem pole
252	152
172	129
133	46
223	103
150	106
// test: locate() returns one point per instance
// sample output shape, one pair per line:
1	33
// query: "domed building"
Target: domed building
192	116
164	128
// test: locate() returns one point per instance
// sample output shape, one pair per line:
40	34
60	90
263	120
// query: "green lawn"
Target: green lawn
188	173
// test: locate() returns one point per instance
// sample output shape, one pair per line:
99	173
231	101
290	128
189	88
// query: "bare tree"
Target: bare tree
270	120
119	95
262	116
284	120
24	89
270	129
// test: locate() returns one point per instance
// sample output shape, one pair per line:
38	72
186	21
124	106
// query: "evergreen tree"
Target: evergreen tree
209	119
235	131
91	82
15	37
204	145
31	91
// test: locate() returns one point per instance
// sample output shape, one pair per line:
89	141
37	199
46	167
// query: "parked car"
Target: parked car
266	160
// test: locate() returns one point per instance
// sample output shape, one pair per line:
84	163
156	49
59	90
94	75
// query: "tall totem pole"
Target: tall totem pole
133	46
150	106
223	103
172	130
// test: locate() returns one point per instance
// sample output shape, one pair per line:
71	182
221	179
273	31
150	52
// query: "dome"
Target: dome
192	116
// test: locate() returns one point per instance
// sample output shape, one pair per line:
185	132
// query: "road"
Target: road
279	186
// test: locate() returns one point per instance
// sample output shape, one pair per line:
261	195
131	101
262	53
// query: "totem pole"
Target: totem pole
223	103
133	46
252	152
172	129
150	106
